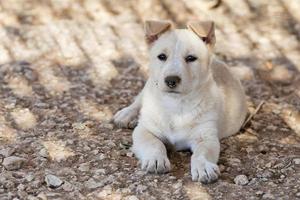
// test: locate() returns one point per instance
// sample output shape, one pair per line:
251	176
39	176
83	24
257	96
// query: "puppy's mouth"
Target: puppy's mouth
172	92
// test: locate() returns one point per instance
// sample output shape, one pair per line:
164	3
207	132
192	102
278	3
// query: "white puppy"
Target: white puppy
191	100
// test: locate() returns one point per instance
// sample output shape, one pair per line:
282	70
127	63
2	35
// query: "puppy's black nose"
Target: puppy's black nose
172	81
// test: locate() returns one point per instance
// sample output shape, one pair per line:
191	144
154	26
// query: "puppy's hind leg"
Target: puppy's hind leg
150	150
127	117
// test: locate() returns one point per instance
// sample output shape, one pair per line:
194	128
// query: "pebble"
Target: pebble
21	187
84	167
177	185
259	193
132	197
6	152
53	181
67	186
42	196
266	174
141	188
268	165
9	184
30	197
44	153
234	161
129	154
22	194
267	196
100	171
282	176
36	184
107	190
29	177
297	161
241	180
92	184
13	162
272	127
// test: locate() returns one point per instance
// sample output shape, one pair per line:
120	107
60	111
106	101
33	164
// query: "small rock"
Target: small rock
92	184
68	187
267	196
22	194
7	152
241	180
259	193
9	184
222	168
268	165
95	152
272	127
132	197
177	185
53	181
84	167
42	196
29	177
100	171
129	154
264	179
266	174
41	105
18	174
21	187
297	194
44	153
297	161
234	161
106	126
30	197
252	181
141	188
282	176
2	177
263	149
13	162
107	190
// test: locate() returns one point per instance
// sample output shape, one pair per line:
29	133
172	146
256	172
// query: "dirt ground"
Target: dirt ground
66	66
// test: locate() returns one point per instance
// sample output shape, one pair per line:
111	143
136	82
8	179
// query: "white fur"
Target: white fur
204	110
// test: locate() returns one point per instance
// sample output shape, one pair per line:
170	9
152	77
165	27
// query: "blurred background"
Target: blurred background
66	66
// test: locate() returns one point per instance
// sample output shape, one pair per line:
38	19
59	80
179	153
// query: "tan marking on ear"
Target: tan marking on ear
205	30
153	29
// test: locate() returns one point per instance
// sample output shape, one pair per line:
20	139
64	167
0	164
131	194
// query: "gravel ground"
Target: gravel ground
67	66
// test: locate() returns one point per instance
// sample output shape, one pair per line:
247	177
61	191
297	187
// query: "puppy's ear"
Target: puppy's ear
153	29
205	30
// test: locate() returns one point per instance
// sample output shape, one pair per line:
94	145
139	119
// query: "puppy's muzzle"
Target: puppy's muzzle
172	81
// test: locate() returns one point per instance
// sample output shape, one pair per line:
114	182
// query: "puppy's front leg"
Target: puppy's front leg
127	117
150	151
206	150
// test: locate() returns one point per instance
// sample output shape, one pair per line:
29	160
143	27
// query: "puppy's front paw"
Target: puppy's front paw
203	170
156	164
126	118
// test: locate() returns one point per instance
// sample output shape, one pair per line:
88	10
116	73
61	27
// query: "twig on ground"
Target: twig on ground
252	114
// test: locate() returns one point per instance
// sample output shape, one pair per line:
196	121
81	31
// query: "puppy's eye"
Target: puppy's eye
162	57
190	58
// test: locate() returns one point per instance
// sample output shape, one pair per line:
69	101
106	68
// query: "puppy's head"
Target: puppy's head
179	58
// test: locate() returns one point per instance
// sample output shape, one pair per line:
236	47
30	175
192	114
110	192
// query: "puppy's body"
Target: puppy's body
173	118
207	104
